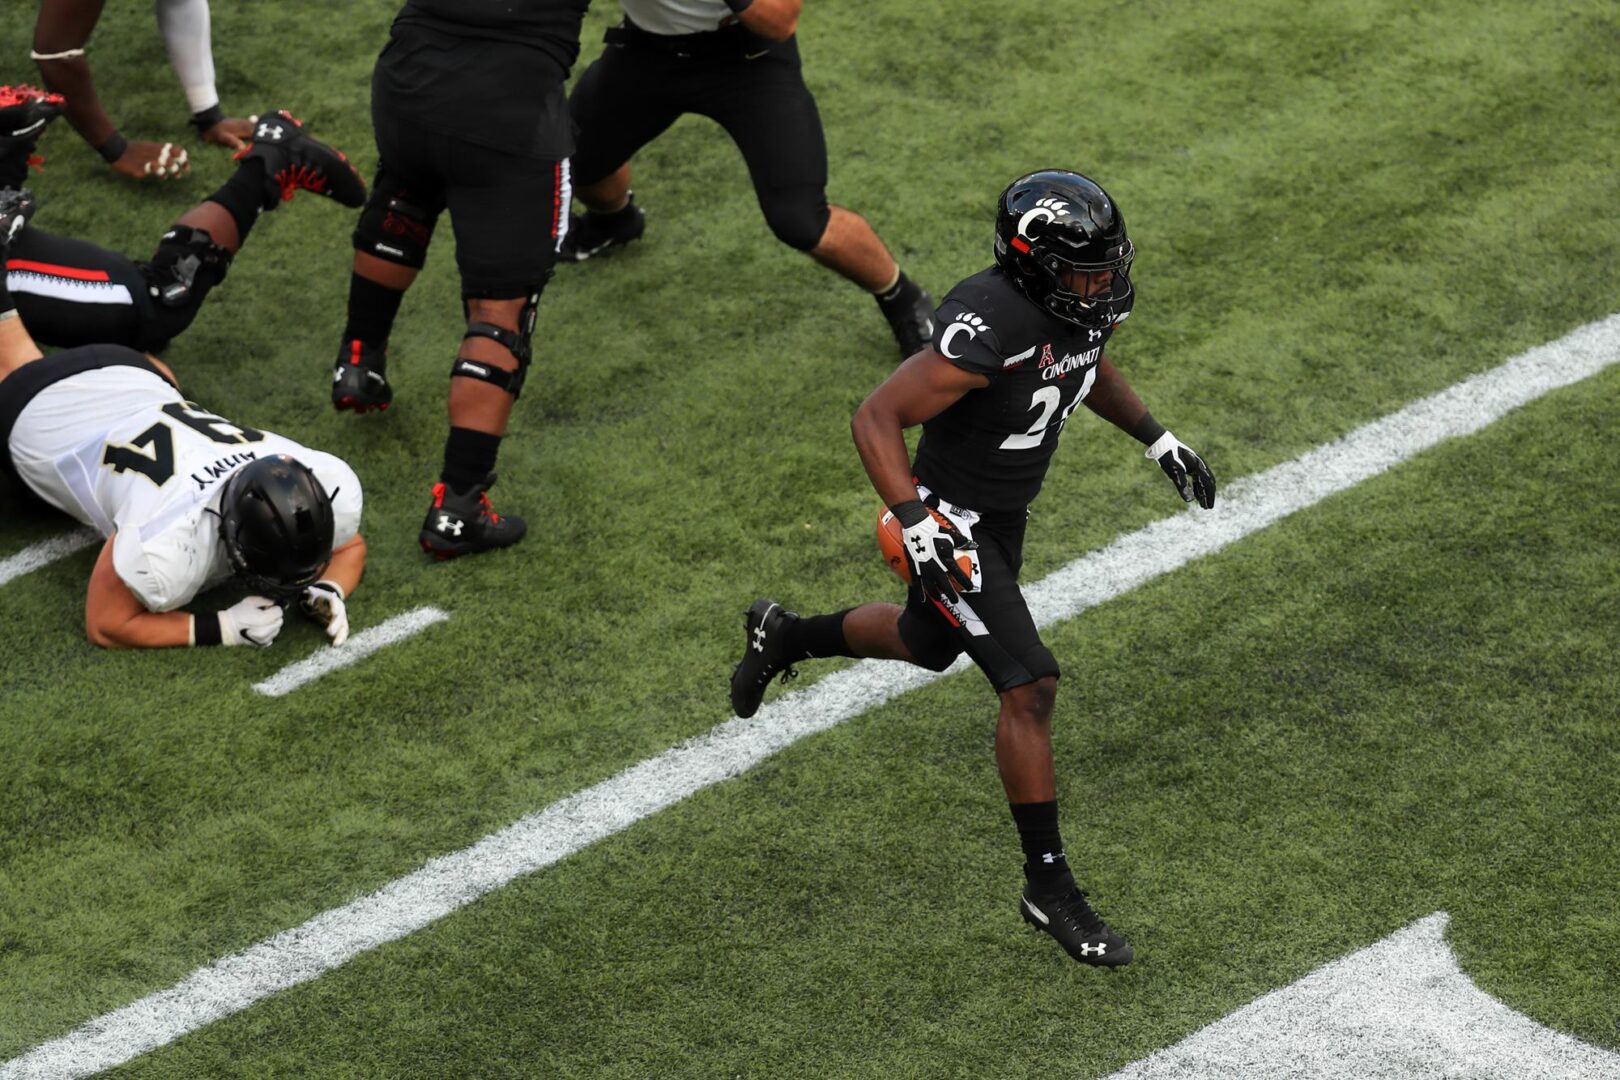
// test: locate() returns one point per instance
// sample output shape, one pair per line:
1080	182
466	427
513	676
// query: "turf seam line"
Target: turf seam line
45	552
335	657
449	882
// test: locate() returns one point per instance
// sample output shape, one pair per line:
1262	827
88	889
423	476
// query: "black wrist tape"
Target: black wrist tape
206	119
205	629
909	512
1147	430
113	148
738	6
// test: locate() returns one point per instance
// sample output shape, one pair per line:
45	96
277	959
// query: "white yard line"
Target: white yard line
1400	1007
452	881
357	648
45	552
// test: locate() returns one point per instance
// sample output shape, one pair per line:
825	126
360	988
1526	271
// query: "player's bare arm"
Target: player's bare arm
918	390
1113	399
773	19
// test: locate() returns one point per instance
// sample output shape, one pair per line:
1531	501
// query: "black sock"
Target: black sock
817	635
469	457
372	309
614	217
1045	865
242	196
898	298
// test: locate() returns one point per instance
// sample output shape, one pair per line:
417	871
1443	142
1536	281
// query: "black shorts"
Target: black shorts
71	292
509	211
27	381
1011	652
637	88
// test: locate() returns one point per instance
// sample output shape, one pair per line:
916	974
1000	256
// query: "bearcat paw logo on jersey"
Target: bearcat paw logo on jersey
965	323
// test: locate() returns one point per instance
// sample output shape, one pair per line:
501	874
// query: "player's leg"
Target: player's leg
772	116
619	104
1024	674
508	215
17	346
390	248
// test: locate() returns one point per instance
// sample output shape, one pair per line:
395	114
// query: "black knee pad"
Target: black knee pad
395	229
518	342
187	264
799	220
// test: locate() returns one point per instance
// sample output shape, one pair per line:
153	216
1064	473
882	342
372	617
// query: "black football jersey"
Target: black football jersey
990	450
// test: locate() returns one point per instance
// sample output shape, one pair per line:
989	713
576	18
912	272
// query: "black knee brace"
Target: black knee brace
188	263
395	230
517	342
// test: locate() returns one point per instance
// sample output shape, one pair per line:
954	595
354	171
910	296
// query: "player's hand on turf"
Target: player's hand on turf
255	620
232	133
323	602
931	544
165	161
1185	469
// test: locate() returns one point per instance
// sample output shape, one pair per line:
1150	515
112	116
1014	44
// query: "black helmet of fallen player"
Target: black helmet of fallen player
1055	229
276	522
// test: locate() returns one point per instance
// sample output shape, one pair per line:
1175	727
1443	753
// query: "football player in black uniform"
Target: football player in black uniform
468	105
1016	349
736	62
72	292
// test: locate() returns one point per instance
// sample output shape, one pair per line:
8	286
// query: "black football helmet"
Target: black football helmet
1055	229
276	522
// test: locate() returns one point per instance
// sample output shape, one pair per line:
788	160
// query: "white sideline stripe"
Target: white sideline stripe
45	552
534	842
1400	1007
359	646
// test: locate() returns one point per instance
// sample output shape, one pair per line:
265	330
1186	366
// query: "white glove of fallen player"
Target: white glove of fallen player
1185	469
323	602
255	620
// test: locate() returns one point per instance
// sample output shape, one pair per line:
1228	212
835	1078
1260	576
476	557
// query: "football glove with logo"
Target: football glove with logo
323	602
931	544
255	620
1185	469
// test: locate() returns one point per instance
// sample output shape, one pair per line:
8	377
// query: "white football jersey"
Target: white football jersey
122	450
676	16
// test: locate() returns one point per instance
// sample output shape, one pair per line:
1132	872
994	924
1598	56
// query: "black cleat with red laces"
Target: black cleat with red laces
358	381
462	522
25	111
1068	917
294	160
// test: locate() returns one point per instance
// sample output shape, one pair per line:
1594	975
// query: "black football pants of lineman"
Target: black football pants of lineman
71	292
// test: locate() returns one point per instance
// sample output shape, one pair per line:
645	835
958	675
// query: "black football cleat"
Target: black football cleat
763	657
911	319
295	160
591	234
358	382
464	523
16	207
25	111
1081	931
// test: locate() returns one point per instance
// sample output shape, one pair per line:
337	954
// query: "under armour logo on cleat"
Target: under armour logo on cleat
448	524
1099	949
268	131
759	639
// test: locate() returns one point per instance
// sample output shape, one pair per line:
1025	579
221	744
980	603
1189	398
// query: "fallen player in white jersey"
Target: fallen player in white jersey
186	499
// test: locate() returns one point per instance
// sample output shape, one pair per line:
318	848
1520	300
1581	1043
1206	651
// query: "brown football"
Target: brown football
891	542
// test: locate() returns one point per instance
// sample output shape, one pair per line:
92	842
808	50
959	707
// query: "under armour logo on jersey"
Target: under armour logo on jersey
965	323
1099	949
759	639
268	131
448	524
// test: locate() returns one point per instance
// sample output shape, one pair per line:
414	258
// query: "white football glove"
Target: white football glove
1185	469
323	602
931	544
255	620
